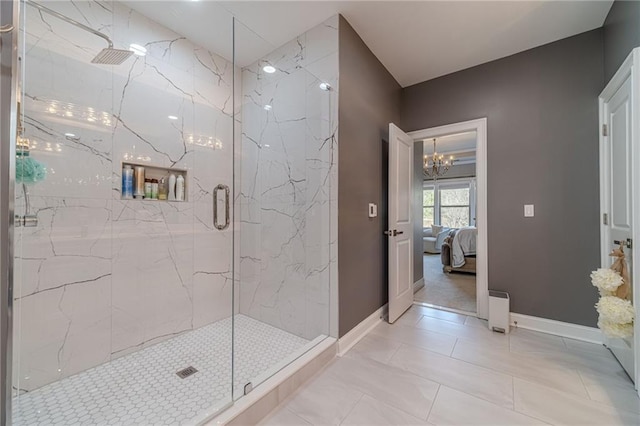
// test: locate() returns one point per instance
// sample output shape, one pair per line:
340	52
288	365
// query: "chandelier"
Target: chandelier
436	165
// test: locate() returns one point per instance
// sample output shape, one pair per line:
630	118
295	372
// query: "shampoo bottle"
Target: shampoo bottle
180	188
127	182
172	187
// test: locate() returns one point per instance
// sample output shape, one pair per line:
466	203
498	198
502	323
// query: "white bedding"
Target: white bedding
464	244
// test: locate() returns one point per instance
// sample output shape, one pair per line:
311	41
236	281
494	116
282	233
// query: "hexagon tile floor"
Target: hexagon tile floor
143	388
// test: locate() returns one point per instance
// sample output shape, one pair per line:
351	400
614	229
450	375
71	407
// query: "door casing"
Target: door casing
482	265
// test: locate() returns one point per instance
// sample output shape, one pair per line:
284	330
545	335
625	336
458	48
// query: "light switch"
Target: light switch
528	210
373	210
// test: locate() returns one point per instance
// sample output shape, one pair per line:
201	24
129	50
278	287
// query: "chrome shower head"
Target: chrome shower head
107	56
111	56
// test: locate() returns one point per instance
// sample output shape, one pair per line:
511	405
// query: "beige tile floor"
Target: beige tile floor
440	368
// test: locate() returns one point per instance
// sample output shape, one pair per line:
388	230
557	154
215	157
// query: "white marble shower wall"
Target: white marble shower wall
100	277
288	172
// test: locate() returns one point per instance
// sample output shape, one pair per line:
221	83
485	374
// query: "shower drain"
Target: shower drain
186	372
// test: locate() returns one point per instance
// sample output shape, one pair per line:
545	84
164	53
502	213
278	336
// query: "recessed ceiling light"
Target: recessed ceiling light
137	49
325	86
269	69
268	107
172	117
70	135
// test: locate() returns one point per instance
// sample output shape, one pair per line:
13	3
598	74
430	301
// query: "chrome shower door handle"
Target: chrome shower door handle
227	218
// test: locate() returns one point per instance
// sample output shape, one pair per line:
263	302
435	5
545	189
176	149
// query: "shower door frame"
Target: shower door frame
9	24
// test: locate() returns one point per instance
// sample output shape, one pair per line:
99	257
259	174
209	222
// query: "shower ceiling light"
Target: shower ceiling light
269	69
172	117
137	49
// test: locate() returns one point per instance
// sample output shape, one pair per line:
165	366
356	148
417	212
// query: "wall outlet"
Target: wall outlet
528	210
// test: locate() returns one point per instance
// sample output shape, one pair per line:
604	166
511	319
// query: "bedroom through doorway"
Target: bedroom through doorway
453	198
449	221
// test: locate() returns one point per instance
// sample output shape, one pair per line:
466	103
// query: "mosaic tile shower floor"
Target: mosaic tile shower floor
143	388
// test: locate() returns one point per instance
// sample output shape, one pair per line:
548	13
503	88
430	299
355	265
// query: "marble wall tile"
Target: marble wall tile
62	291
287	169
152	272
101	277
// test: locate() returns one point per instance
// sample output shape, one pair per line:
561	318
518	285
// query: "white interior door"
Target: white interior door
400	230
617	194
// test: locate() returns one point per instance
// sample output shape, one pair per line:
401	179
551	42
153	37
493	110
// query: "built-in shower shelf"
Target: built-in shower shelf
159	172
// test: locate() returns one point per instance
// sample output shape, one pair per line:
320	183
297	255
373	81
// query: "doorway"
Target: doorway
454	220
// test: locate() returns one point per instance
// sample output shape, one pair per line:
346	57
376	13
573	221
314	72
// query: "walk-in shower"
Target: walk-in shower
152	310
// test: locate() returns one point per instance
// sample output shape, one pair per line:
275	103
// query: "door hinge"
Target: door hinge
605	219
248	388
604	130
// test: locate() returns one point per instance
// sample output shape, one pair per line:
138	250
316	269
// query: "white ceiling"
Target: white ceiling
415	41
459	142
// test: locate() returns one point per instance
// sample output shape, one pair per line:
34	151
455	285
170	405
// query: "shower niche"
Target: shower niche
167	188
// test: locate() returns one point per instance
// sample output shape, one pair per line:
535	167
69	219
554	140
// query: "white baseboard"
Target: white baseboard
418	285
347	341
558	328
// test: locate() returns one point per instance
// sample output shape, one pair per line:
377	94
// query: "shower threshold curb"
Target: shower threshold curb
251	408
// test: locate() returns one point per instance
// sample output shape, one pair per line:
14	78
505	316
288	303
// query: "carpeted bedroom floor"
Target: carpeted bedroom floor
453	290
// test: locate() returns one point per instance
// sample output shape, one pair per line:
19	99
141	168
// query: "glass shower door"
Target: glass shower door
285	140
122	300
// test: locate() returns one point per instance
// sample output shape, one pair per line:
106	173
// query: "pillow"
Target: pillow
436	229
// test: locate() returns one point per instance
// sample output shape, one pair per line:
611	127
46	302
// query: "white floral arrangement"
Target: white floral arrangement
606	280
615	310
616	315
620	331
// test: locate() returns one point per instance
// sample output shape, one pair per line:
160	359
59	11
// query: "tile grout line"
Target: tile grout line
394	354
435	397
453	348
603	405
353	407
487	370
471	340
484	400
513	376
297	416
402	370
513	392
584	385
442	319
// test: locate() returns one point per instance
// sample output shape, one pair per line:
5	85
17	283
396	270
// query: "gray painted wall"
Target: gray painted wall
369	100
621	34
542	112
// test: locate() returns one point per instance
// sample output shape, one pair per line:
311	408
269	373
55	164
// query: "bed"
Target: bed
459	250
